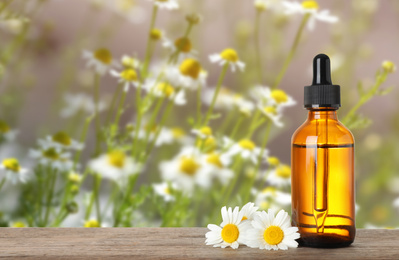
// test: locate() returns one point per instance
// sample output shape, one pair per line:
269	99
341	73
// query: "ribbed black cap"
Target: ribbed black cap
322	93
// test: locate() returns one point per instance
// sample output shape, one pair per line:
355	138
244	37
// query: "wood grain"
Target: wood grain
171	243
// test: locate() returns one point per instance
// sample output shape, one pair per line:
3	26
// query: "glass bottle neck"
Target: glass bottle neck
322	113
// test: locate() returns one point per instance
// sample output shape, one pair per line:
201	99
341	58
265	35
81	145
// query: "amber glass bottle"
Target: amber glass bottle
323	196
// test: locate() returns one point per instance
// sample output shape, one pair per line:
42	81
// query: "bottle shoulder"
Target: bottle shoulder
323	132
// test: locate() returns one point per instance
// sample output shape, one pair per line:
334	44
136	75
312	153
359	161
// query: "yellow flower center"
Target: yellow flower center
310	5
166	88
190	68
273	235
167	190
214	159
11	164
92	223
4	128
388	66
260	5
178	132
129	75
51	153
244	218
279	96
273	161
74	177
117	158
18	224
230	233
229	55
283	171
264	205
189	166
103	55
183	44
269	190
208	144
206	130
155	34
62	138
270	110
128	62
247	144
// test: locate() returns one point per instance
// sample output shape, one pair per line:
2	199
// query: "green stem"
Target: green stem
82	140
227	191
96	95
138	123
257	45
199	103
120	108
97	196
113	102
148	52
52	180
292	51
215	95
236	126
365	98
2	183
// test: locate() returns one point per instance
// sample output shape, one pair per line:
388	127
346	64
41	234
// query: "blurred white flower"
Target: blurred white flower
270	232
147	132
218	167
128	77
188	75
165	190
396	203
166	4
75	103
114	165
228	56
228	99
182	46
6	133
279	175
165	90
101	60
53	157
267	97
202	132
128	9
129	62
273	113
60	140
309	7
246	149
187	170
13	171
270	197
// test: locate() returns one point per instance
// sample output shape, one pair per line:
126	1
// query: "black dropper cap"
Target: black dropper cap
322	93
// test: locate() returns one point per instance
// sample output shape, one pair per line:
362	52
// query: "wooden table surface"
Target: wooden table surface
172	243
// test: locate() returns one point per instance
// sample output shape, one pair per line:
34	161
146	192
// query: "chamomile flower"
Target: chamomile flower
54	157
13	171
166	4
129	62
311	8
186	170
181	45
128	77
267	97
228	56
247	149
272	232
388	66
273	113
76	103
101	60
165	190
202	132
148	132
6	133
91	223
188	75
228	99
270	197
218	167
128	9
230	232
280	175
165	90
249	211
60	140
114	165
157	34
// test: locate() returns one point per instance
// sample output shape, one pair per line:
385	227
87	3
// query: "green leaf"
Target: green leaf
359	122
386	91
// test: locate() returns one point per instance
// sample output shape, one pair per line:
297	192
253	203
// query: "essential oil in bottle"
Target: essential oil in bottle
322	159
